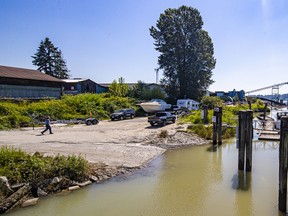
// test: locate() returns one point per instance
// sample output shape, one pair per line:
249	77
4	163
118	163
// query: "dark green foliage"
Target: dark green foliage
149	94
136	91
186	53
20	167
49	60
141	91
118	89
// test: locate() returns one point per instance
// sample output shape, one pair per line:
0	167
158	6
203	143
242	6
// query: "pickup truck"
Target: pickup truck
161	118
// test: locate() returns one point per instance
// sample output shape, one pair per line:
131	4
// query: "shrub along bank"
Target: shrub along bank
229	116
15	115
24	177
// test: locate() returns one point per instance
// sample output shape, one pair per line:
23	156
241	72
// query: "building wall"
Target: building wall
17	91
86	86
101	89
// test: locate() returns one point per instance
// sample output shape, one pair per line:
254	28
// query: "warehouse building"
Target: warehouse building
26	83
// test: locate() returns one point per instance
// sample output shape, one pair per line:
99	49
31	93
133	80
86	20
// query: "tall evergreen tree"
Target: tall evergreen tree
186	53
49	60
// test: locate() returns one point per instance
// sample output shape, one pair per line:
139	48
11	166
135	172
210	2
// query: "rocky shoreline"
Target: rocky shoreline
24	195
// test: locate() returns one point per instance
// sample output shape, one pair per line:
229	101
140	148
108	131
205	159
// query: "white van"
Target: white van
188	104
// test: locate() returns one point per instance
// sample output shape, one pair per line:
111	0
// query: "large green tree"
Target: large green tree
49	60
119	89
186	53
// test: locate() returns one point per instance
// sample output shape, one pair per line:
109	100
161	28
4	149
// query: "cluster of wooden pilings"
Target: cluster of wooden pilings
245	137
217	123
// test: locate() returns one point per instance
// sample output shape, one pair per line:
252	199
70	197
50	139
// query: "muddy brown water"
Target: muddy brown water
198	180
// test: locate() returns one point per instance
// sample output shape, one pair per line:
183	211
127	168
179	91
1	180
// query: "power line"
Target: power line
275	86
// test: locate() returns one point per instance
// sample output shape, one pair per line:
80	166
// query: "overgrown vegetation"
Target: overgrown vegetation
229	116
14	115
20	167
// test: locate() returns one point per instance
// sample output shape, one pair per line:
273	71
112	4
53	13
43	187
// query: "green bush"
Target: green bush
229	116
20	167
203	131
211	102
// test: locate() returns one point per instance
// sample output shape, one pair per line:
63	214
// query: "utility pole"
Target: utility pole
157	74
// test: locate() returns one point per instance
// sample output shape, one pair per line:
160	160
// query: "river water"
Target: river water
198	180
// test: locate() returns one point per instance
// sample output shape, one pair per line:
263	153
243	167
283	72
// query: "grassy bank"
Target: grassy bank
229	116
22	113
21	167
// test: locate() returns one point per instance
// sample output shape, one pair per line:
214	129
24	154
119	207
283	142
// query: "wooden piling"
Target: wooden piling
248	139
245	131
214	120
241	129
249	102
219	124
283	152
205	114
265	110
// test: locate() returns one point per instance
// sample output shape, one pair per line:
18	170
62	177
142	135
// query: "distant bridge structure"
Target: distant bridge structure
274	88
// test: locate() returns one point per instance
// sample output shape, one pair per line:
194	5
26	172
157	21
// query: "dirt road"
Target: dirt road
129	143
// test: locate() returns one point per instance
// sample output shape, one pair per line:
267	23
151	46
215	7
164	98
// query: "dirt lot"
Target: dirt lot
129	143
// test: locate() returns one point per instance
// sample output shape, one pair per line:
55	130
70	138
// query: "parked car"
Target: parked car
123	114
161	118
176	109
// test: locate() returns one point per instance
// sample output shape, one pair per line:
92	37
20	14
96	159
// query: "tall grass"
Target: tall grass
20	167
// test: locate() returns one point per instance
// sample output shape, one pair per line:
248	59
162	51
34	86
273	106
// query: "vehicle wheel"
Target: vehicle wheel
88	122
132	116
95	121
174	120
164	123
152	123
121	117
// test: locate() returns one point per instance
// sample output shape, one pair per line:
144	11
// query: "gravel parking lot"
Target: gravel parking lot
129	143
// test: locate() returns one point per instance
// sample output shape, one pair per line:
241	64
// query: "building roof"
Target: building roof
22	73
129	84
108	84
75	80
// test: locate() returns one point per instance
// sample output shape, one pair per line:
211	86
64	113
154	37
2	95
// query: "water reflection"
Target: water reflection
241	180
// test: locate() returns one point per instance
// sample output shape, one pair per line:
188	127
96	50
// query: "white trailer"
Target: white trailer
188	104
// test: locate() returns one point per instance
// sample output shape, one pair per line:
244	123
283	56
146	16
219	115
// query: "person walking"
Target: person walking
47	125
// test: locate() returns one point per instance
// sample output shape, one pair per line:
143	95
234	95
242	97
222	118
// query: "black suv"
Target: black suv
123	113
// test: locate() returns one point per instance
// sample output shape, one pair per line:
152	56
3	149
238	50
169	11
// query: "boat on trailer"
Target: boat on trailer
155	105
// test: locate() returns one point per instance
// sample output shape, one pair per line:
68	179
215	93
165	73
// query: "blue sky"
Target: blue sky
106	39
